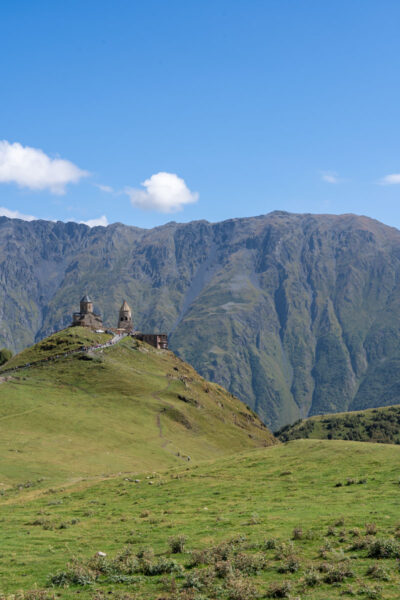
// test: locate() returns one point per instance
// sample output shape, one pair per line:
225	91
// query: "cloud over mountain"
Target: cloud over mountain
32	168
164	192
101	221
15	214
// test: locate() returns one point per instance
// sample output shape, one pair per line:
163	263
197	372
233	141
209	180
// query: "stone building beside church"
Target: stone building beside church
87	318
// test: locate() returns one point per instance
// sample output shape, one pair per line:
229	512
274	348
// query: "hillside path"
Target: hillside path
117	338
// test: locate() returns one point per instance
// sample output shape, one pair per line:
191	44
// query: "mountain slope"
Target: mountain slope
295	314
380	425
121	408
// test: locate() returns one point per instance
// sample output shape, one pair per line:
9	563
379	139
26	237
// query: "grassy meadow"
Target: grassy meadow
309	519
124	474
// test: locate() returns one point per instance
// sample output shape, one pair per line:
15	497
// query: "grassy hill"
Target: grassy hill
299	520
380	425
128	407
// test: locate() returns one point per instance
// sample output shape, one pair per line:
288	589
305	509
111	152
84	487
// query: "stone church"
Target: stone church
87	318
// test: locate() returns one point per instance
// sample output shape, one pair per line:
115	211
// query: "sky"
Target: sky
151	111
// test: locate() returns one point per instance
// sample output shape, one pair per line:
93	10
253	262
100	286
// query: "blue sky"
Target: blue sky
223	108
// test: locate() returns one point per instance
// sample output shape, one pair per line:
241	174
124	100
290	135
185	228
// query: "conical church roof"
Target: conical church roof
125	306
86	299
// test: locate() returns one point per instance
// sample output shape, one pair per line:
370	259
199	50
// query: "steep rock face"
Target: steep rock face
296	314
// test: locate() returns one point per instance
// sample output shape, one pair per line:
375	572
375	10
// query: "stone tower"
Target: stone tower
125	317
86	305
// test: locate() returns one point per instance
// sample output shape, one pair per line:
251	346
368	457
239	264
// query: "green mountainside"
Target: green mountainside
380	425
296	315
127	407
310	519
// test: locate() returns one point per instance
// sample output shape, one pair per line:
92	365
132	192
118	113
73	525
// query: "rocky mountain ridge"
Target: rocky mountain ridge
295	314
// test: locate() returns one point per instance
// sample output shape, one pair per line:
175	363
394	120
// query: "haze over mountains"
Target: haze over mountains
295	314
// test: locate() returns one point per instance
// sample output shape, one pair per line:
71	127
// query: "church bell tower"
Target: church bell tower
125	317
86	305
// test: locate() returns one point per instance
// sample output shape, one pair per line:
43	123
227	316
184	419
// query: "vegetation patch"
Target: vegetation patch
380	425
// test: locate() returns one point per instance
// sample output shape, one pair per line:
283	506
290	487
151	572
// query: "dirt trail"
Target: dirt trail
25	412
156	396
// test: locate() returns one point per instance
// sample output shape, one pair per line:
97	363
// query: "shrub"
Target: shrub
146	553
384	548
163	565
249	563
99	564
270	544
312	577
291	565
378	572
222	551
192	581
372	593
5	355
370	529
360	543
284	550
46	524
338	573
126	563
177	544
223	569
279	589
75	574
199	579
323	551
297	533
331	531
200	557
241	589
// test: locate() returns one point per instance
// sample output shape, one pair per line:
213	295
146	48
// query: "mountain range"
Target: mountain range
297	315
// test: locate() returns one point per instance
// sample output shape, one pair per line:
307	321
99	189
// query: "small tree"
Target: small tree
5	355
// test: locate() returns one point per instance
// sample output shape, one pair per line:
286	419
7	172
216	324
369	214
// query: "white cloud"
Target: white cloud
32	168
164	192
330	177
393	179
15	214
104	188
101	221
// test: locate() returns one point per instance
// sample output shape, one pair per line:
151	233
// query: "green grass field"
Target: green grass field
95	451
308	519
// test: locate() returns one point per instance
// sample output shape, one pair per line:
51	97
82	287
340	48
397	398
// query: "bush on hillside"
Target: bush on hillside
384	548
177	544
5	355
